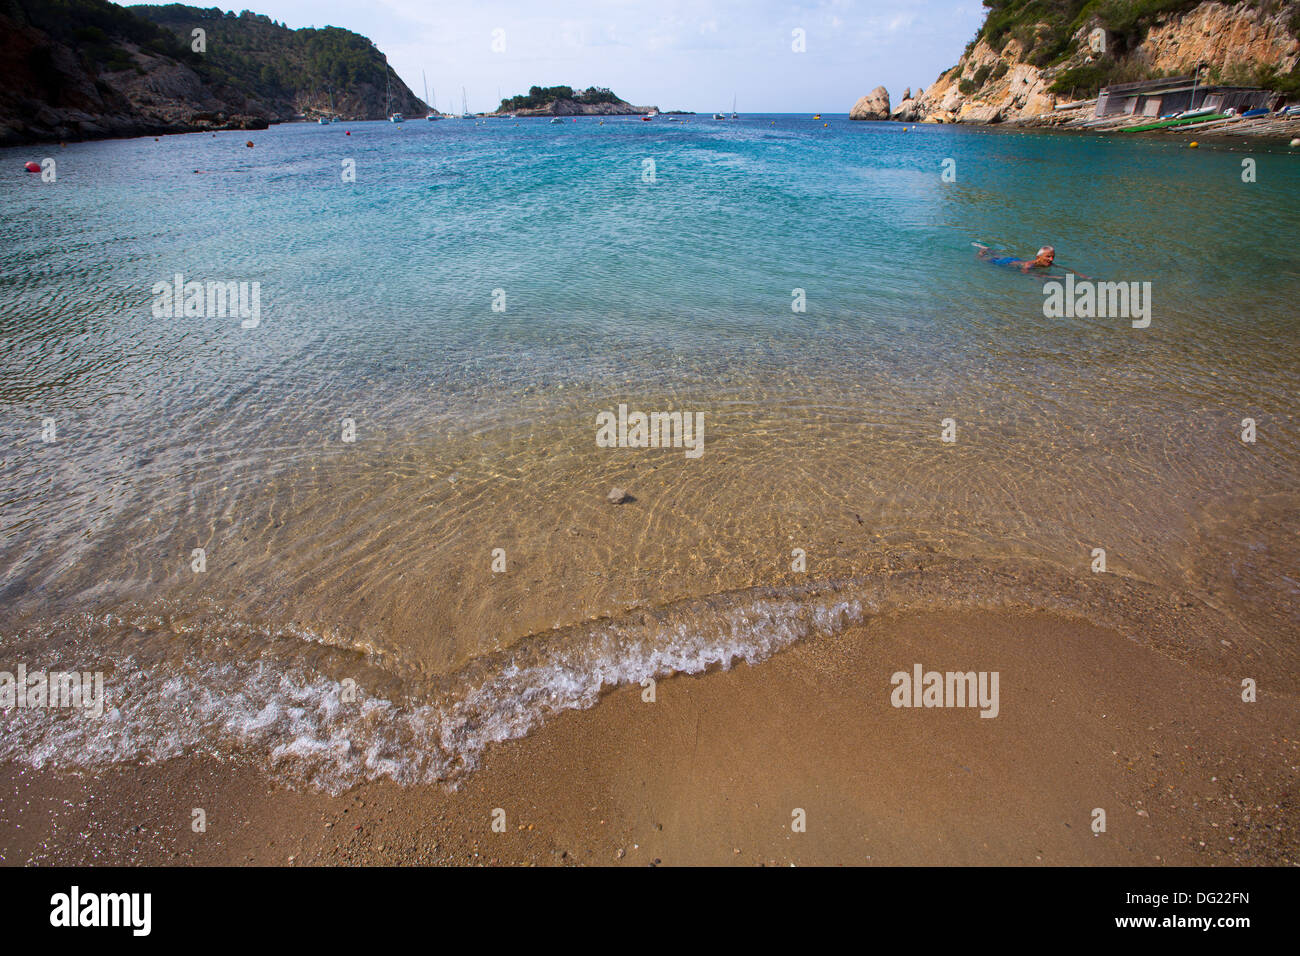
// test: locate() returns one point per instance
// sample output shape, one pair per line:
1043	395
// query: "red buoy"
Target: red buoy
33	167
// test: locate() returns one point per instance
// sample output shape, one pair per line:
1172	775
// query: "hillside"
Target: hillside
88	69
291	72
1032	56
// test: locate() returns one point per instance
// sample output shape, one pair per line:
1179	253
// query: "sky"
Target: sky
674	54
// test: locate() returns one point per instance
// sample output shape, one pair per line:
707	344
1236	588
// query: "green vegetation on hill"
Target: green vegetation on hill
97	30
252	51
279	66
539	96
73	69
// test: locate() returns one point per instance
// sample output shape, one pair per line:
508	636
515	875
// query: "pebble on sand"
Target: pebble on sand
618	496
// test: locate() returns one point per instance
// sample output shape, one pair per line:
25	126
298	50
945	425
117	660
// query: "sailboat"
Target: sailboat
734	114
433	109
333	117
464	105
388	95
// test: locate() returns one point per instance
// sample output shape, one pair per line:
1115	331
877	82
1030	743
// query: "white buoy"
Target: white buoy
1295	142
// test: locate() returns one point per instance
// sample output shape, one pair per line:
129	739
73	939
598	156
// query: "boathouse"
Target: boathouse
1164	97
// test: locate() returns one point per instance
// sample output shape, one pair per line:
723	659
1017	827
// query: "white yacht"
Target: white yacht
434	115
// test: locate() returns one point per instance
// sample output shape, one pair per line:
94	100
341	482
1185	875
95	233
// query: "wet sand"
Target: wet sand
712	771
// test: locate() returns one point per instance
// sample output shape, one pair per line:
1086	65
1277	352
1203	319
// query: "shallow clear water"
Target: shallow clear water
476	428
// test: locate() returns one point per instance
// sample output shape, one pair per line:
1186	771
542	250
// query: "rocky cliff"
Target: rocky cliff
873	106
1030	58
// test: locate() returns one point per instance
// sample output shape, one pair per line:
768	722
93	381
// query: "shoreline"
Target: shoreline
1219	136
712	770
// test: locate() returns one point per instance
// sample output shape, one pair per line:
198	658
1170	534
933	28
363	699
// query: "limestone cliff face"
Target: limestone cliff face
1228	37
999	85
1010	88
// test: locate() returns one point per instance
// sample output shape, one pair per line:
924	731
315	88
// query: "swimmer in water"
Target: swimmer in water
1044	259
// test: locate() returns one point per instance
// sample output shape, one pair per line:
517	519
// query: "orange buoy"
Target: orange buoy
32	167
249	144
1193	144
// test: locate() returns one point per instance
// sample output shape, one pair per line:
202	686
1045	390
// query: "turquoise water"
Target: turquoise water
401	264
476	425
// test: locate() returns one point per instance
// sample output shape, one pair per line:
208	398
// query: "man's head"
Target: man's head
1045	257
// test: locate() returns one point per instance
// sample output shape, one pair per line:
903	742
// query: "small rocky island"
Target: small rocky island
565	101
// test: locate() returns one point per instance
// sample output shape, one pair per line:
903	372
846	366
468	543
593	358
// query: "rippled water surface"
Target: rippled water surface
648	264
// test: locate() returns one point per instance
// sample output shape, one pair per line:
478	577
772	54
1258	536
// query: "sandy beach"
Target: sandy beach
713	770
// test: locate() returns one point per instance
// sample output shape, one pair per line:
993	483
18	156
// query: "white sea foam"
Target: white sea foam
304	726
273	707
